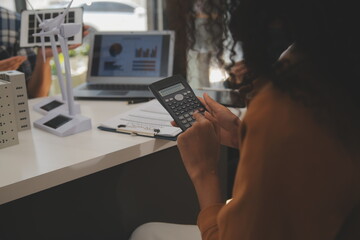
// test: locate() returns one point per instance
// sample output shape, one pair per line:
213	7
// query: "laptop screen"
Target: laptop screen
130	55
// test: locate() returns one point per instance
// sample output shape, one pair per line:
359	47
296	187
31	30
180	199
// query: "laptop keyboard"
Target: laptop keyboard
124	87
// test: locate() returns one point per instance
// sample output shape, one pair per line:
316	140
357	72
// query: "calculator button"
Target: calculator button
189	119
187	125
179	97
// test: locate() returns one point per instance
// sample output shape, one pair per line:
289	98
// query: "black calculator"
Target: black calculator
177	97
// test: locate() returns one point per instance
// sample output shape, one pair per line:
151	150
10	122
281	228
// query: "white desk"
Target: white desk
43	160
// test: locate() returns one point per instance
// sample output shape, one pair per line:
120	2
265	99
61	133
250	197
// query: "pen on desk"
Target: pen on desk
133	132
140	100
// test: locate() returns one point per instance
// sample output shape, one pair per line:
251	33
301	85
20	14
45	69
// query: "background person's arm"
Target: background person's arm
11	63
40	82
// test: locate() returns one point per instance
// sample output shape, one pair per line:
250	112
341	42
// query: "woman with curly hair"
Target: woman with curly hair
298	174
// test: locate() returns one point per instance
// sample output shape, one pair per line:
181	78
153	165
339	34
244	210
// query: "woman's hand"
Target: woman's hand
227	122
199	148
11	63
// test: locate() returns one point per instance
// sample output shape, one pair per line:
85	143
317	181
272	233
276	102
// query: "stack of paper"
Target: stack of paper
148	119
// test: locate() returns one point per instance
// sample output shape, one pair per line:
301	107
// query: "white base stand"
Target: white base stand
54	104
63	124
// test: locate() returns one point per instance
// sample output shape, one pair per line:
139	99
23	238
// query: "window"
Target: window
8	5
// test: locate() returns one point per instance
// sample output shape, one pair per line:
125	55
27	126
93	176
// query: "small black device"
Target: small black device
226	97
178	98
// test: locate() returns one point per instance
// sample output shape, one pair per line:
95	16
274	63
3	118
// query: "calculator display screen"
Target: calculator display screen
169	90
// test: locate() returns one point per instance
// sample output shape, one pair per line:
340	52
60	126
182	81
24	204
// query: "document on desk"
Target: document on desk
148	119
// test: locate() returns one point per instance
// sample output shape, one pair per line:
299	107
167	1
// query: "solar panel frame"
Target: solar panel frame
30	25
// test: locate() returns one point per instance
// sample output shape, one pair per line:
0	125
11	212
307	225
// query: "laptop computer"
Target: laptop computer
122	64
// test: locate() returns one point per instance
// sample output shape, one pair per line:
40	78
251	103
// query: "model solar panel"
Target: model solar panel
57	121
30	25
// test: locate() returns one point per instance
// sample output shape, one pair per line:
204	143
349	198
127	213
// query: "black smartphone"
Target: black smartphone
226	97
178	98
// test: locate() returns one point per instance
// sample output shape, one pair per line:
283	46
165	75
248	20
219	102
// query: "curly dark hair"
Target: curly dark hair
324	32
